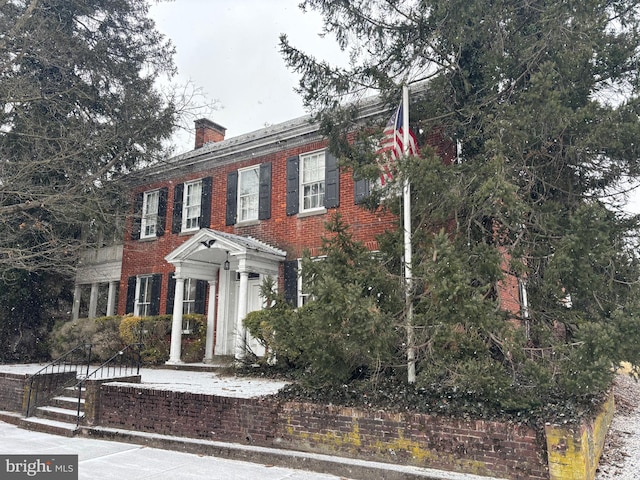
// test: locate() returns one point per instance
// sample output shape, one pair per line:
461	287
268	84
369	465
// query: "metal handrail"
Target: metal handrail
59	365
107	364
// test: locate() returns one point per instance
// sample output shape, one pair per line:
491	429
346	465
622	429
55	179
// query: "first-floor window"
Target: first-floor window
303	297
189	299
143	297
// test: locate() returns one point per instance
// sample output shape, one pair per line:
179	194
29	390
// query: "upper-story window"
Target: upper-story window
312	178
249	194
150	214
248	190
313	183
191	205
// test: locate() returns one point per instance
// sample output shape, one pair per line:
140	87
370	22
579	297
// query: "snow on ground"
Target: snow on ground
203	382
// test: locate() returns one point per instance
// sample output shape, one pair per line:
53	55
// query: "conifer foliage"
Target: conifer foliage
543	97
78	110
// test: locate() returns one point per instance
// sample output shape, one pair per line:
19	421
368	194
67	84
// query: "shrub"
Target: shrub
155	332
101	332
273	327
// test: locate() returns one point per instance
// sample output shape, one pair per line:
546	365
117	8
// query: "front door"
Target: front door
254	302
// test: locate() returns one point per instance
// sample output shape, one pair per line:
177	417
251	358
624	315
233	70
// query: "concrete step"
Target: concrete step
67	415
10	417
66	402
73	392
45	425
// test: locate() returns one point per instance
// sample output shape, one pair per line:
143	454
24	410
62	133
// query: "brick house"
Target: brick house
209	225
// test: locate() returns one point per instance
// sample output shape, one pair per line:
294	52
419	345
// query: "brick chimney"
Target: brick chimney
208	131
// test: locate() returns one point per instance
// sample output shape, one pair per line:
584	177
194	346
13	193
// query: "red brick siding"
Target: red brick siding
290	233
505	450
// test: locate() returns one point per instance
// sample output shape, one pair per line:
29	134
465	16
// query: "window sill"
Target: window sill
188	232
310	213
247	223
148	239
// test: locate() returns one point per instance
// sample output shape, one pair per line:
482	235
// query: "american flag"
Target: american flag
391	145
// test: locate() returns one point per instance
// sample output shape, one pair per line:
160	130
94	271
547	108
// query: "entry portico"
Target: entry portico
233	266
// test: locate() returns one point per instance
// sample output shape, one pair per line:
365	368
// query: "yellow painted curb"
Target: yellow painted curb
573	451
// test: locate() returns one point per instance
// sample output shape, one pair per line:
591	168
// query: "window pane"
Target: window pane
192	197
144	296
189	300
150	214
312	180
248	189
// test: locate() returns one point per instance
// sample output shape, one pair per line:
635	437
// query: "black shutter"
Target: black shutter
331	181
293	197
131	295
171	293
361	190
205	203
201	294
232	198
137	216
291	282
162	211
156	285
178	193
264	202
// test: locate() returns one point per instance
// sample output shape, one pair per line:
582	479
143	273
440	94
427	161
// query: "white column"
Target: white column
176	326
222	325
93	300
111	298
241	332
77	293
211	324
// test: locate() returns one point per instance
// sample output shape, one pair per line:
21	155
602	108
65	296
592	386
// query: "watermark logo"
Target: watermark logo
50	467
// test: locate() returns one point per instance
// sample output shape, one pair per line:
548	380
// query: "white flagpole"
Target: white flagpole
408	274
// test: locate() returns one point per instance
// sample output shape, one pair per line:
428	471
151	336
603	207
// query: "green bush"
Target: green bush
155	335
273	327
102	332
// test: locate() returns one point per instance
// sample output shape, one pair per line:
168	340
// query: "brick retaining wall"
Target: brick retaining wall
491	448
12	392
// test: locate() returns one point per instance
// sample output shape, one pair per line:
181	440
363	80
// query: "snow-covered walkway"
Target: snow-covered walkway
203	382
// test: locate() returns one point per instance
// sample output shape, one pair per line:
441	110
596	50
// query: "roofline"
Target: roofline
295	132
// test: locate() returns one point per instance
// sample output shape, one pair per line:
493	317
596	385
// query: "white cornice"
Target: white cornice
289	134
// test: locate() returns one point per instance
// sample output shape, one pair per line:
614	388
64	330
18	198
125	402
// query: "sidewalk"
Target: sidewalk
106	460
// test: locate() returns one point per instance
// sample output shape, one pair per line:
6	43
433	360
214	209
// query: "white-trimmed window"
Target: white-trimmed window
312	181
191	205
149	226
143	296
303	297
188	304
248	193
189	298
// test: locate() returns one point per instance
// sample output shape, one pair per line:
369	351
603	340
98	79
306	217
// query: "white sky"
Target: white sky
229	49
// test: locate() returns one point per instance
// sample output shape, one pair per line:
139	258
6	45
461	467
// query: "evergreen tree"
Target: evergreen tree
79	110
543	96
